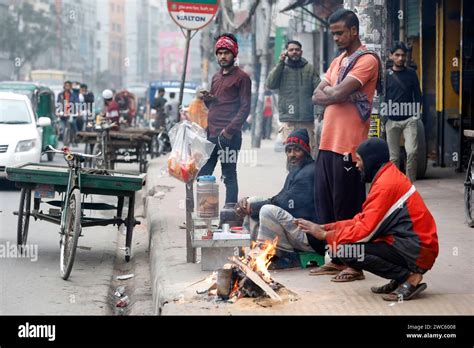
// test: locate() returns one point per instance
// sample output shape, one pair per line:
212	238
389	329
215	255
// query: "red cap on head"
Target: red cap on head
227	43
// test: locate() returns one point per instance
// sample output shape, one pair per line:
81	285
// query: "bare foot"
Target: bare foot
415	278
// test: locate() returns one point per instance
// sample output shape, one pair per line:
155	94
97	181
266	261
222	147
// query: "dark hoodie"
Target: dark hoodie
374	153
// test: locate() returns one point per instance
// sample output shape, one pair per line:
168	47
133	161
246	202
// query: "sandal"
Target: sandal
327	269
405	292
348	276
385	289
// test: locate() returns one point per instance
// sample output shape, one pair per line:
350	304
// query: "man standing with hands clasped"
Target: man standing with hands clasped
229	106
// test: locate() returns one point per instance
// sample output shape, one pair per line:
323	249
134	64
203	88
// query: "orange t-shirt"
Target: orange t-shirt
343	129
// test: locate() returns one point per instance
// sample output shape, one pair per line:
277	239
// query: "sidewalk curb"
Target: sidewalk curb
156	242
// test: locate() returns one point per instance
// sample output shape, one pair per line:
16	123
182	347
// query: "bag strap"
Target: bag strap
398	81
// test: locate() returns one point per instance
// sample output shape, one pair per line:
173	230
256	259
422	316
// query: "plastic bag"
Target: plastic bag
190	150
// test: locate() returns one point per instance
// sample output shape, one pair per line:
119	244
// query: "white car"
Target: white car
20	132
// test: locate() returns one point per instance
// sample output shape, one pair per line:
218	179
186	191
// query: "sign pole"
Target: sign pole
190	251
190	15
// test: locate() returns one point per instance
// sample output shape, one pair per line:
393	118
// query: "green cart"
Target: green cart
73	183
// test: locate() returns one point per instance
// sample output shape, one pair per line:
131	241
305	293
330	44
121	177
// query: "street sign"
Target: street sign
192	14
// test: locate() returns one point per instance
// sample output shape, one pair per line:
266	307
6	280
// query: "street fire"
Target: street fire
262	260
248	276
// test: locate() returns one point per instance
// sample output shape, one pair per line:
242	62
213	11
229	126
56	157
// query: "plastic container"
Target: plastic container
207	197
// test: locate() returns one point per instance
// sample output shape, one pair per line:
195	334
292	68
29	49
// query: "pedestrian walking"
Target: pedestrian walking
403	99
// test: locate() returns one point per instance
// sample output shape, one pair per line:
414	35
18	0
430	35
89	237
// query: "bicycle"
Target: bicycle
71	213
103	146
469	182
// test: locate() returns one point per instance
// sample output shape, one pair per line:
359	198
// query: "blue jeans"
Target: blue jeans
228	158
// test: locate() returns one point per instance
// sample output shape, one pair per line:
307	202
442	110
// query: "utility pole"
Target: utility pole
256	140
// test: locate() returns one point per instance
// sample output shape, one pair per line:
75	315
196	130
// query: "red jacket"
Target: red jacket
112	112
387	217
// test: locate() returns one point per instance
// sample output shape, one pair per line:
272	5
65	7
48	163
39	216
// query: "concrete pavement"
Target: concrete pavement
175	282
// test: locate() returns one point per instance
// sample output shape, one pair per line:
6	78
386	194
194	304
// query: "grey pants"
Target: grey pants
275	222
408	128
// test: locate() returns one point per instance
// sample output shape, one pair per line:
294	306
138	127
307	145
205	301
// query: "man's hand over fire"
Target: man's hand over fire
242	207
317	231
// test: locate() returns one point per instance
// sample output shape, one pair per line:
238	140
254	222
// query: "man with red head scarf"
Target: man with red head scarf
228	102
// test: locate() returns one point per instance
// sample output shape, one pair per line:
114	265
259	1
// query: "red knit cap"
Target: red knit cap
227	43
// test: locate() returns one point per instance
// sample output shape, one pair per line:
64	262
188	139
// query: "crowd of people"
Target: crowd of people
324	205
75	107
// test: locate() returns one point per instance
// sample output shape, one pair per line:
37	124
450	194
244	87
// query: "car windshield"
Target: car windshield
14	112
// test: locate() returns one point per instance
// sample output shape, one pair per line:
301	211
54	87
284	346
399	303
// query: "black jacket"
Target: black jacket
297	194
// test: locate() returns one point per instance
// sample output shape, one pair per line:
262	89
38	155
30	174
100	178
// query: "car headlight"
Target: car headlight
25	145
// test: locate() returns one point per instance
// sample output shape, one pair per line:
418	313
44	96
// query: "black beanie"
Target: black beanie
374	153
300	138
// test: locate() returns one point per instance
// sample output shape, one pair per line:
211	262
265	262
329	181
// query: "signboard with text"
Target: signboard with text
192	14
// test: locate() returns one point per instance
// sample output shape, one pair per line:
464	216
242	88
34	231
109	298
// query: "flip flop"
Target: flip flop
385	289
405	292
348	276
327	269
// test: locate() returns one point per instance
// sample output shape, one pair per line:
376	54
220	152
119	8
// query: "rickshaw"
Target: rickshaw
42	100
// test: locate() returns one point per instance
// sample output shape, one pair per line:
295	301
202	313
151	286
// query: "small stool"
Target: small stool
307	256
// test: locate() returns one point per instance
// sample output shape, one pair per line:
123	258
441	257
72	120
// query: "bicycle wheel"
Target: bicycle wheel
72	231
468	194
23	218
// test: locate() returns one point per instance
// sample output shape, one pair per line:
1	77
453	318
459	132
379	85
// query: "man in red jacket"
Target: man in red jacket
393	237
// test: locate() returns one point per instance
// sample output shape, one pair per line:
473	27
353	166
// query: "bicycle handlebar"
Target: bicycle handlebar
65	151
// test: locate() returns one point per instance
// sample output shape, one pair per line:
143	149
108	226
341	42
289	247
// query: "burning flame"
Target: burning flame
261	256
235	288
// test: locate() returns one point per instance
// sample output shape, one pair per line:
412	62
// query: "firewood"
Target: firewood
256	279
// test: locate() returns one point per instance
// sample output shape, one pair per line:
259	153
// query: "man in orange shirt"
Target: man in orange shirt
346	92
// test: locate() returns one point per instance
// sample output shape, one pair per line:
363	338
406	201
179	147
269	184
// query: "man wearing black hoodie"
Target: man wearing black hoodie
267	219
393	237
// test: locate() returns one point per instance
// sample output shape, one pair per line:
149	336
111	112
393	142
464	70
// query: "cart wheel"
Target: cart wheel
23	218
468	194
142	158
72	231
